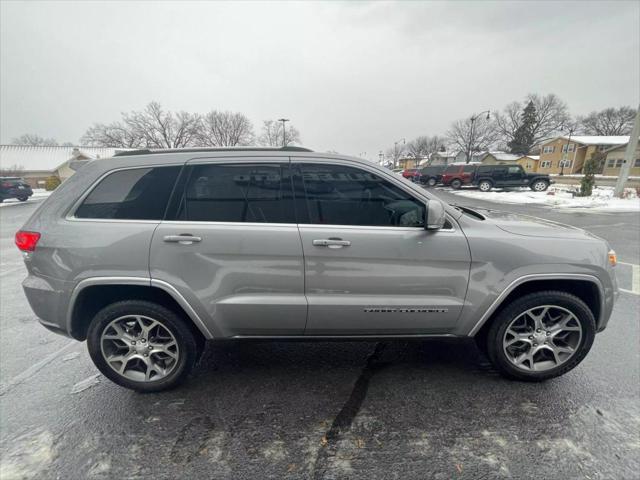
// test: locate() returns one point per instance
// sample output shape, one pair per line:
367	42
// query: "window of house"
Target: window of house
342	195
637	162
132	194
611	163
619	162
568	148
549	149
545	164
257	193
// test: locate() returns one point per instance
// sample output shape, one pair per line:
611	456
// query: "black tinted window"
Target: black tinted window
341	195
238	193
469	168
452	169
134	194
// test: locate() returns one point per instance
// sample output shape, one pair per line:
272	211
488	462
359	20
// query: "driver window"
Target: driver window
341	195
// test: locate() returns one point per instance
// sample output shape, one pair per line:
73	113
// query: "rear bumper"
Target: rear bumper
48	299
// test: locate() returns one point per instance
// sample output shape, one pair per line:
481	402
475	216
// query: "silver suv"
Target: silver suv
148	254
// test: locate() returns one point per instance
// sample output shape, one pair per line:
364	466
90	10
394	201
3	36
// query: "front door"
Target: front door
370	266
231	247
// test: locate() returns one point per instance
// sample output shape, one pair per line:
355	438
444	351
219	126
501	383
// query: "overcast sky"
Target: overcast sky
352	77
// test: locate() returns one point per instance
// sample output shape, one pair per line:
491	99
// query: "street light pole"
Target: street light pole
284	130
395	151
472	133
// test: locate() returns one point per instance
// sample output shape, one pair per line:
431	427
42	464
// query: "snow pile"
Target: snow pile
561	196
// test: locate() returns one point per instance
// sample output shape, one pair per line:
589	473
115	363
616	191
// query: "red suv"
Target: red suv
459	174
412	174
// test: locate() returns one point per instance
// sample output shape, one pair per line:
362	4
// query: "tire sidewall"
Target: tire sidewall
185	339
431	182
504	319
485	182
456	184
533	185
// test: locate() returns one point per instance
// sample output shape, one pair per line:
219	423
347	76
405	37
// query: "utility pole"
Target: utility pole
629	156
284	130
566	154
472	133
395	151
381	157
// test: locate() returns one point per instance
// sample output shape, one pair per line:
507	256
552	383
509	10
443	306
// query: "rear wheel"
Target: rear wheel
485	185
23	199
456	184
431	182
539	185
142	345
541	336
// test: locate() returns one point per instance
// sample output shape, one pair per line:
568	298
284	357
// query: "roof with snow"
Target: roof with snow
504	157
533	157
49	158
597	139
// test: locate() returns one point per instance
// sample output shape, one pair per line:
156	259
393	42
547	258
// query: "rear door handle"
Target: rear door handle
182	239
331	242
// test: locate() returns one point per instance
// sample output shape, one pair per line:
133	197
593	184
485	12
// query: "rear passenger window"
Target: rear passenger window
341	195
469	168
132	194
259	193
451	169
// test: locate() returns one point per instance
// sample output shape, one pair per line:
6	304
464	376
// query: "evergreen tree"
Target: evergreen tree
523	138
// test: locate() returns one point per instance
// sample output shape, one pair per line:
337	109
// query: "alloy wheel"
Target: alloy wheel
485	186
539	186
139	348
542	338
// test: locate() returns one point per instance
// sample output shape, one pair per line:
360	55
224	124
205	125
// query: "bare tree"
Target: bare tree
610	121
471	136
423	146
272	134
33	140
152	127
551	113
225	129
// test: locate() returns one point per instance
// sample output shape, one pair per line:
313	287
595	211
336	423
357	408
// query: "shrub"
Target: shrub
51	183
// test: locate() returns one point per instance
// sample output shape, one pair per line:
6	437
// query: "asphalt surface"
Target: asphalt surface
397	409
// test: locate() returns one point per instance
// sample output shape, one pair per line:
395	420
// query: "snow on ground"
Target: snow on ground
38	193
560	196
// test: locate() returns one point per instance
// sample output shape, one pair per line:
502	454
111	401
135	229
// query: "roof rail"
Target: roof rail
147	151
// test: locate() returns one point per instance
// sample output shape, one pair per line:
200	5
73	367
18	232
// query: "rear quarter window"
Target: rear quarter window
132	194
452	169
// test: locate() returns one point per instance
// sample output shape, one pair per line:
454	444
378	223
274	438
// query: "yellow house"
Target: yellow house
528	162
615	159
572	152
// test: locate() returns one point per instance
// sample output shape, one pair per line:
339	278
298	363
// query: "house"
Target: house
615	159
567	154
408	161
443	158
528	162
36	163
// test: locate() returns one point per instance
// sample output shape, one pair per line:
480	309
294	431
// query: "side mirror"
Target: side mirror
435	214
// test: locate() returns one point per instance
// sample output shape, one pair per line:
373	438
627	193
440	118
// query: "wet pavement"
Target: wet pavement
258	409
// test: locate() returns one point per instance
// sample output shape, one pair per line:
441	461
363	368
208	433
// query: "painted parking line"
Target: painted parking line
635	278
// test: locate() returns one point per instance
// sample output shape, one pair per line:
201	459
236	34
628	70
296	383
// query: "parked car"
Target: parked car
431	176
14	187
489	176
398	170
458	174
412	174
150	254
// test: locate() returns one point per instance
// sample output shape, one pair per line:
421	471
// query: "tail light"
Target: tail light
27	241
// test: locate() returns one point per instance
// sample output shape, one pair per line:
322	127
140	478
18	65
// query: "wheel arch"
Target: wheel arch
586	287
91	295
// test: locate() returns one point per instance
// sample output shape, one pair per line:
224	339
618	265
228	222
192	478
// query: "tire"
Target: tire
543	364
23	199
539	185
456	184
485	185
431	182
169	329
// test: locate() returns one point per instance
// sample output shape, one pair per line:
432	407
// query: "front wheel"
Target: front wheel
142	345
540	336
431	182
456	184
539	186
23	199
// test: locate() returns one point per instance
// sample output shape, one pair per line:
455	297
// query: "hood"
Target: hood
531	226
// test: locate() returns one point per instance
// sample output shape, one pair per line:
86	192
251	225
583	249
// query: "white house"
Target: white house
36	163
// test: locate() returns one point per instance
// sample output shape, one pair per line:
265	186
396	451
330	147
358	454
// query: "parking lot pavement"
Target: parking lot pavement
388	409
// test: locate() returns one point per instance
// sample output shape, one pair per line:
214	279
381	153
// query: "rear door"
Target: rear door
230	246
371	267
515	176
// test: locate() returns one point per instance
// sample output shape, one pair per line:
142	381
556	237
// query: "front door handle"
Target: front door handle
182	239
331	243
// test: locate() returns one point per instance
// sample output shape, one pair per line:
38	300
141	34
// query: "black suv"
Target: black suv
431	176
14	187
489	176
